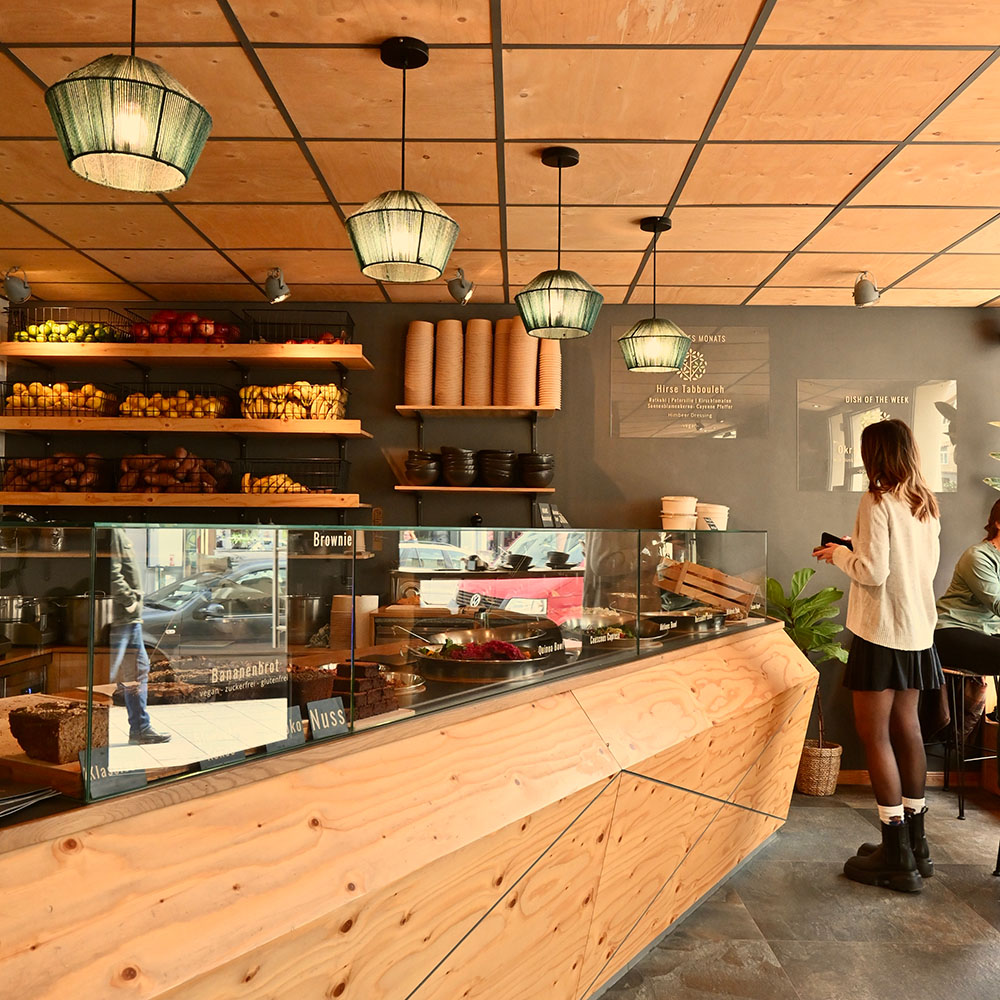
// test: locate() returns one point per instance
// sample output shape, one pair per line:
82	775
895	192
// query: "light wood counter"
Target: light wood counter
525	845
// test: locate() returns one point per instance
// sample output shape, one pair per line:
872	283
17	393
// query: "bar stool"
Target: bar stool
955	678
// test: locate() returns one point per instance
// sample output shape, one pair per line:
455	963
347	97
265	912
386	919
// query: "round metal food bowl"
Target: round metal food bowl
698	619
596	619
406	686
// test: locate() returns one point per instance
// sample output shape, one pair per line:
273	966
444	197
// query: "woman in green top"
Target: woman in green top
968	625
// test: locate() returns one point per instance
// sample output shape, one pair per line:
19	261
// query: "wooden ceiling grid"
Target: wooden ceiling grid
789	155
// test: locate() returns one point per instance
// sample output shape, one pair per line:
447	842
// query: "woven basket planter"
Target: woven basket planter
819	767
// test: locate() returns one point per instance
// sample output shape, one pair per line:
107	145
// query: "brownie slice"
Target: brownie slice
57	731
310	684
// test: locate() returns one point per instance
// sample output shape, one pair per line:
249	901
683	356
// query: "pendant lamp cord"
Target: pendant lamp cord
133	28
559	225
402	147
656	236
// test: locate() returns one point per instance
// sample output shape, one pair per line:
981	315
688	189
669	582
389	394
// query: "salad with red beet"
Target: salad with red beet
495	649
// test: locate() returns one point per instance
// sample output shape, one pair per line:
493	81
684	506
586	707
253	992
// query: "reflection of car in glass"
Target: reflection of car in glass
554	597
214	608
431	555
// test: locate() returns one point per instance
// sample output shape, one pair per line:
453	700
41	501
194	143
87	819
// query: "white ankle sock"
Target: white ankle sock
914	805
890	814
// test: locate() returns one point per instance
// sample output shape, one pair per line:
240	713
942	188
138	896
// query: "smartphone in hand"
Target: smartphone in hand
826	538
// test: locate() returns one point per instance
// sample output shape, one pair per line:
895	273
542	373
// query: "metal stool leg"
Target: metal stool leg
960	745
996	871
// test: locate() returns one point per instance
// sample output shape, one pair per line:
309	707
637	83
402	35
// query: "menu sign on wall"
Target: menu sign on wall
722	391
832	413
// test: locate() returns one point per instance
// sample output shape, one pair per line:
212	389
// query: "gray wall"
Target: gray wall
605	482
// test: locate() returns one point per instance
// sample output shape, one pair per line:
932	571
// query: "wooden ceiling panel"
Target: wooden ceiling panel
720	295
117	226
24	113
18	233
619	22
365	22
606	93
64	266
301	267
742	228
779	173
231	291
987	240
139	266
457	172
37	171
638	173
437	291
105	291
248	226
449	98
937	175
974	116
840	94
75	21
250	172
840	270
896	230
776	296
534	227
597	268
941	297
679	268
482	267
368	292
221	78
883	22
956	270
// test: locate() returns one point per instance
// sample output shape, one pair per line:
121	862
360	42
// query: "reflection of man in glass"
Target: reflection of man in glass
129	660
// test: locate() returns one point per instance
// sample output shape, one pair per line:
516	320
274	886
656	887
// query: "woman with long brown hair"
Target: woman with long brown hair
891	613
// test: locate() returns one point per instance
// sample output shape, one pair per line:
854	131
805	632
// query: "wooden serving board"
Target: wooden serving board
16	764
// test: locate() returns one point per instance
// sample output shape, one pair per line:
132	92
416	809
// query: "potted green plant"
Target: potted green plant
808	625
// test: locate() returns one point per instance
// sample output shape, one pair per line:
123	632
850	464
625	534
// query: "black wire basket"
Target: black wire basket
205	325
202	400
300	326
178	472
67	325
58	399
308	475
294	401
60	473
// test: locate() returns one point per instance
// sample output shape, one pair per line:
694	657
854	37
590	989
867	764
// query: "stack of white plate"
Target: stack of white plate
549	374
448	362
717	513
501	338
478	362
418	378
522	365
678	513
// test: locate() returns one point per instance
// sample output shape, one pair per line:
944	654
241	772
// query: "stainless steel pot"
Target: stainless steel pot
77	630
306	616
23	608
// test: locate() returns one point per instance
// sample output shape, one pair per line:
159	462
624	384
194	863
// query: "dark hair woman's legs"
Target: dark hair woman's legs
872	712
908	743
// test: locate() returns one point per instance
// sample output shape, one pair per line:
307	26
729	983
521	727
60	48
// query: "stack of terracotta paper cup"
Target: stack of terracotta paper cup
678	513
522	365
418	377
712	516
341	613
501	338
448	362
549	374
478	362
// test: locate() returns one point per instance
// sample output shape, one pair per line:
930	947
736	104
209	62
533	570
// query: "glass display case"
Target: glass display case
135	654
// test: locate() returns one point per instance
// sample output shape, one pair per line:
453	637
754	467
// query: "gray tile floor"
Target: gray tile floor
790	926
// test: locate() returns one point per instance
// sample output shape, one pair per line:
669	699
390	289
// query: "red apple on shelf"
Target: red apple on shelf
206	327
164	316
140	333
184	328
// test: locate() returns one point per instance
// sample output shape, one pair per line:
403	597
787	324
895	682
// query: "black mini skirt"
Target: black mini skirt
875	668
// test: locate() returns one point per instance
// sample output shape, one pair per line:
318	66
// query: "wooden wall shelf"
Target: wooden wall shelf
218	500
187	425
475	411
347	356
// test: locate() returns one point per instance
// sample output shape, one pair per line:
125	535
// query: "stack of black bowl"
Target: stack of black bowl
535	470
496	468
459	466
422	468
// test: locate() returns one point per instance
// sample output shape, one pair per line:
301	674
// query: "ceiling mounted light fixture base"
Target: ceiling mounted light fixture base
655	223
559	305
402	235
866	292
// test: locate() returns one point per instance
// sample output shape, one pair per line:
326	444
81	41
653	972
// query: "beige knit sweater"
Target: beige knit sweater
892	571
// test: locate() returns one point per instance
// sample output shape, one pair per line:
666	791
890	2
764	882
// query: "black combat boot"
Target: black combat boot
918	844
891	864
